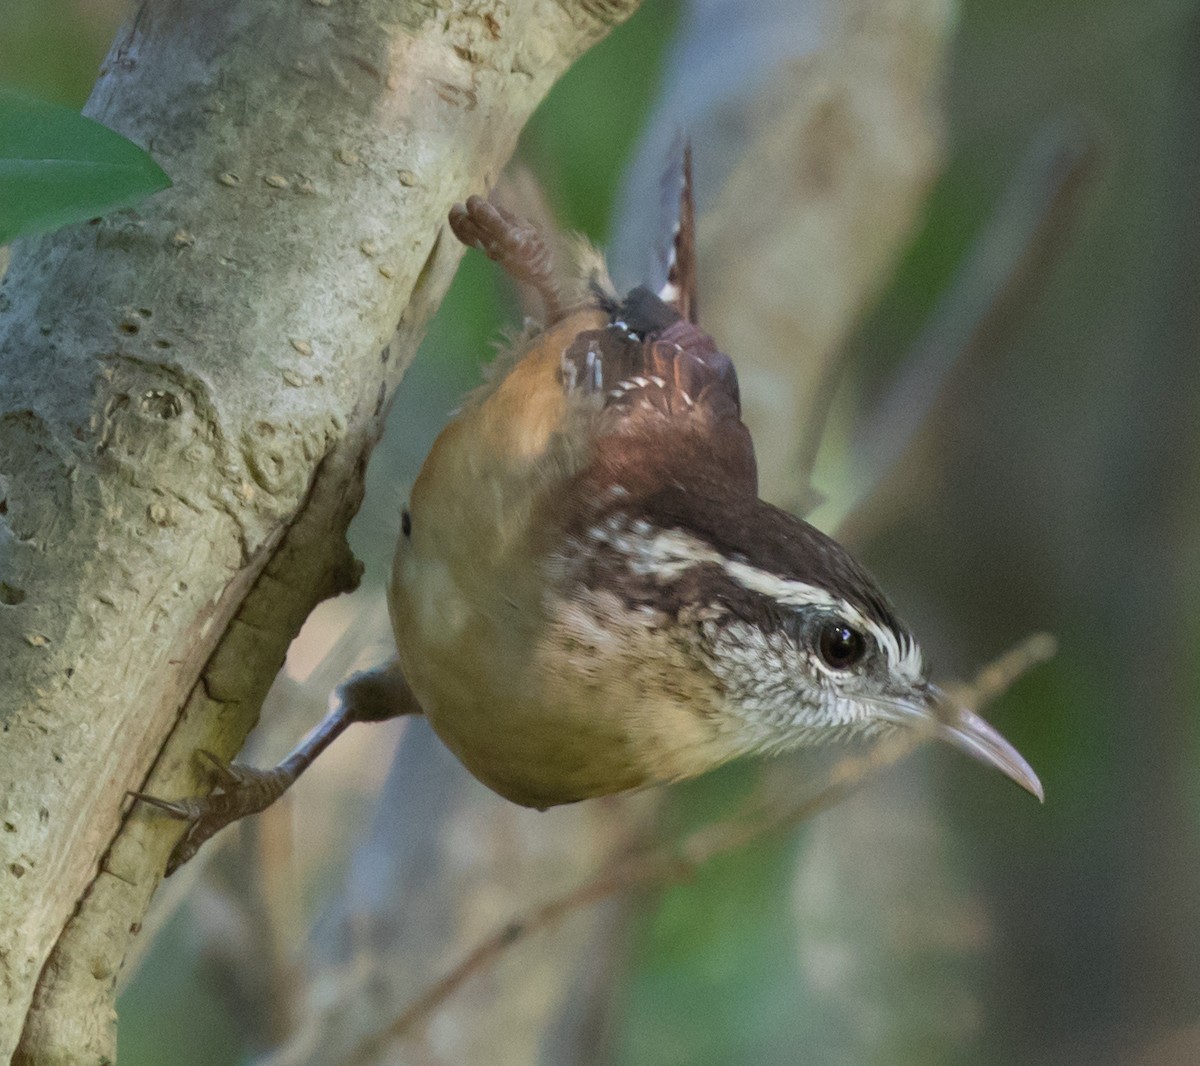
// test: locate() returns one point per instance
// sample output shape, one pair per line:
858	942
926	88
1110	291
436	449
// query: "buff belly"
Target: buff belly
547	695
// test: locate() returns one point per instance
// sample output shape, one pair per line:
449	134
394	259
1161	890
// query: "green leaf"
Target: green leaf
57	167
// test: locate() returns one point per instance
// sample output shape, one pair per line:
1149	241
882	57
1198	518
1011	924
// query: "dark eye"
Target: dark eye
839	646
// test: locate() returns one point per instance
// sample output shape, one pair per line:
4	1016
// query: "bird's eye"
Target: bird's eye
839	646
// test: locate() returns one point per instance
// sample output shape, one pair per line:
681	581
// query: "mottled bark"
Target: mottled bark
188	394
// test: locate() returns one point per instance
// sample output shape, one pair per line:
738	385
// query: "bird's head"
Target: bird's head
804	646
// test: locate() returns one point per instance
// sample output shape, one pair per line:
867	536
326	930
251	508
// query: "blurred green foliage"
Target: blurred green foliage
176	1007
53	48
714	969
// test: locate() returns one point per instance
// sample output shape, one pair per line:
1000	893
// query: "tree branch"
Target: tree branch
188	394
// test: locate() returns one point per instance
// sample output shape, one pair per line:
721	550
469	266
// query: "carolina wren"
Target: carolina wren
588	596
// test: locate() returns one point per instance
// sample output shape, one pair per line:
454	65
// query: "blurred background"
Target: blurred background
981	217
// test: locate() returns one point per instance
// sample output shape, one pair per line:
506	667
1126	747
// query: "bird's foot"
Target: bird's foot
371	696
240	791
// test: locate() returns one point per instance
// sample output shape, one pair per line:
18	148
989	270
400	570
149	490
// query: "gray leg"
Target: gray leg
371	696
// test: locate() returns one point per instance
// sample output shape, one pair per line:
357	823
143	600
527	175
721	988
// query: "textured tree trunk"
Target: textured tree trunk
188	395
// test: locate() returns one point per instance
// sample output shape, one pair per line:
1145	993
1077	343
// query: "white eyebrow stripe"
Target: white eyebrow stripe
904	657
670	553
787	591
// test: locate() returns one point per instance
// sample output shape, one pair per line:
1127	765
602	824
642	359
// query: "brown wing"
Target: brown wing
670	412
668	399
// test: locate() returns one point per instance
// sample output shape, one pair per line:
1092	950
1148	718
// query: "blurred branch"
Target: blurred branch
1003	270
673	863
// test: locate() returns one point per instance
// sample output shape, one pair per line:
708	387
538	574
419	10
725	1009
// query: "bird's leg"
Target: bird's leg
371	696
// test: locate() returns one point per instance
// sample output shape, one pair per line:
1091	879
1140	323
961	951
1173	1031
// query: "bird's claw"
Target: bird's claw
181	809
239	791
231	775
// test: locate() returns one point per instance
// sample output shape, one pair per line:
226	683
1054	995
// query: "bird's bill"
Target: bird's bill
961	727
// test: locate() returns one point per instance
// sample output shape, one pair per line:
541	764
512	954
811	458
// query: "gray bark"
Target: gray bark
188	393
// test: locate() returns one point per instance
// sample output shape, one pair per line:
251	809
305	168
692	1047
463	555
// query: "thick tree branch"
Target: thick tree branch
188	394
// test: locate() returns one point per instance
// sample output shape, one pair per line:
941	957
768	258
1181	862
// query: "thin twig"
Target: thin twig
674	863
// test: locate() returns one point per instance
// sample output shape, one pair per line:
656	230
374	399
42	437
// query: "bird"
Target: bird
588	595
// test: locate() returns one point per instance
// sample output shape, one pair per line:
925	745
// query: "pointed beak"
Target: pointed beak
939	716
